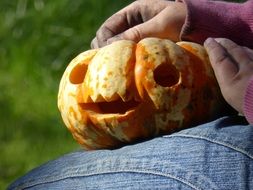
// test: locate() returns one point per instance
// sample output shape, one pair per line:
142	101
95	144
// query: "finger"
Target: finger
94	43
223	65
150	28
115	38
239	54
249	52
119	22
113	26
135	33
166	24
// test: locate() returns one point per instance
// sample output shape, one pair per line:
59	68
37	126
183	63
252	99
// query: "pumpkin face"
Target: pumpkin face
125	92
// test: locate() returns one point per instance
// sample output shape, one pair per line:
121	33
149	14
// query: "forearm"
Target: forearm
207	18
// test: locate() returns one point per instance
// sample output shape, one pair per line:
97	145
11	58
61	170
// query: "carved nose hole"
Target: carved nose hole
78	73
166	75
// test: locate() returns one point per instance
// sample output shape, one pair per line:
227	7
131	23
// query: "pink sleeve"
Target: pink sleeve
209	18
248	102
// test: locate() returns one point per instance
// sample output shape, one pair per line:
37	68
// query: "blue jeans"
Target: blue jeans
216	155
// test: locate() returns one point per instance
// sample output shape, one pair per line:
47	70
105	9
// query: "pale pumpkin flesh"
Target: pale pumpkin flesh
126	91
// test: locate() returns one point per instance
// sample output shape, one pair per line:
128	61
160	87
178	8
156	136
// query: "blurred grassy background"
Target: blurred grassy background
38	39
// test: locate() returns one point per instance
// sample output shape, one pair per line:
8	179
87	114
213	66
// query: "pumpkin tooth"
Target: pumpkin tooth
101	98
98	98
126	97
113	97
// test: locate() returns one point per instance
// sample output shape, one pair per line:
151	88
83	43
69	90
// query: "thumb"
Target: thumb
159	26
136	33
223	64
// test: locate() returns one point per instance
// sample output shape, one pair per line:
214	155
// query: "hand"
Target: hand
233	68
140	19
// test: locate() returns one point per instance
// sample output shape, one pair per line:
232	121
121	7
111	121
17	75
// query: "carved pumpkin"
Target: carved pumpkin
126	92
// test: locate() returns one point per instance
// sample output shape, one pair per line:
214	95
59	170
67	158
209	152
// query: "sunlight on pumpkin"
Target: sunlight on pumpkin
162	95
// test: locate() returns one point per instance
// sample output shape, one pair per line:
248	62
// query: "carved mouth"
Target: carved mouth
114	107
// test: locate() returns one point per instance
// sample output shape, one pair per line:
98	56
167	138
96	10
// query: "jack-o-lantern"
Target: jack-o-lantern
126	91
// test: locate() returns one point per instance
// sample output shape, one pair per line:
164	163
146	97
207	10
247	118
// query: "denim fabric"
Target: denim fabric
216	155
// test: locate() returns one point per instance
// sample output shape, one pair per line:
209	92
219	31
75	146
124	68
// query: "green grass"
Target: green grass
38	38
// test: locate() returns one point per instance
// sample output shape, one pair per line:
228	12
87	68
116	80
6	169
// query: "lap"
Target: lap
216	155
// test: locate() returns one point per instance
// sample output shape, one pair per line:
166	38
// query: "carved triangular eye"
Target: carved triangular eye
77	69
78	73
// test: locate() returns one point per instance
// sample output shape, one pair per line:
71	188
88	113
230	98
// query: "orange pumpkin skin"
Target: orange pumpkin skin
126	92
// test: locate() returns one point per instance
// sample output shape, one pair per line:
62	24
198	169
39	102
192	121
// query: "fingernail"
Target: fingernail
219	39
208	41
113	39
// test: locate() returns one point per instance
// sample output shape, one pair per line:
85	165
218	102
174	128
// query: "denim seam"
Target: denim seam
74	175
246	153
83	172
